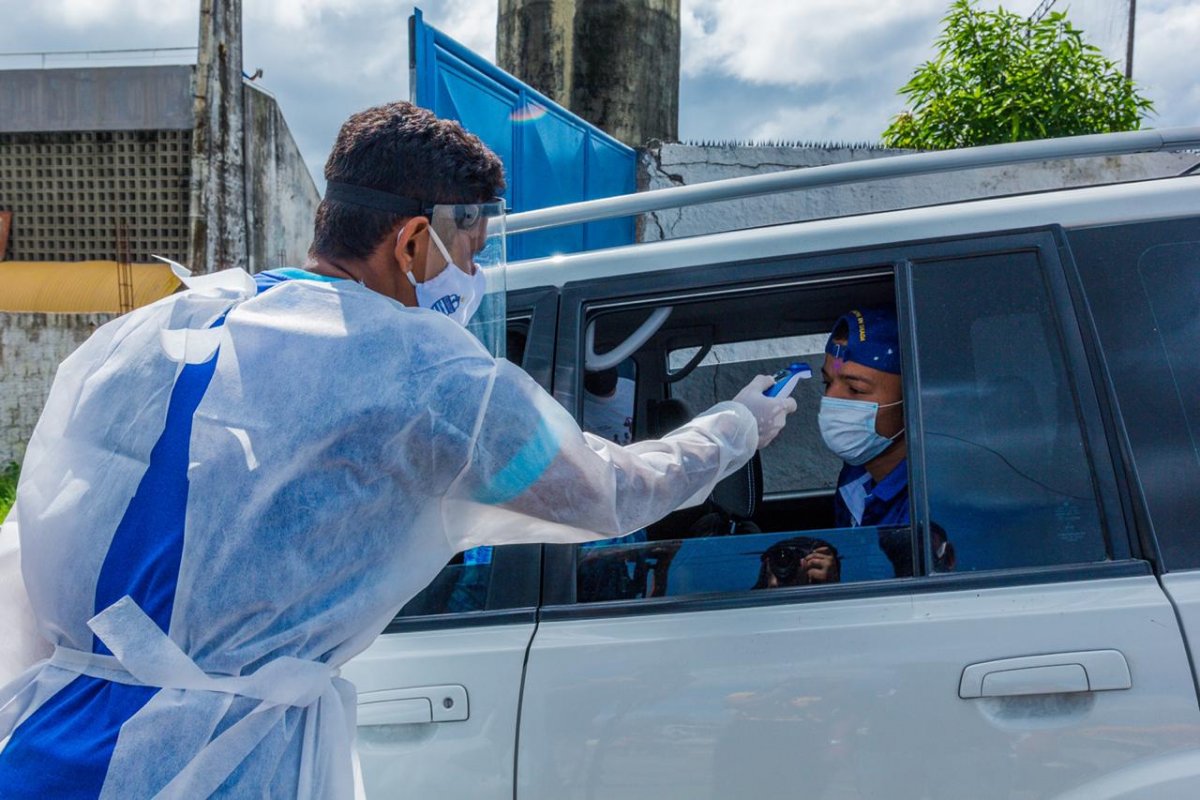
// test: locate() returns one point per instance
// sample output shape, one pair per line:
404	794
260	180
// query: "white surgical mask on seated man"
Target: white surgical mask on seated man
848	428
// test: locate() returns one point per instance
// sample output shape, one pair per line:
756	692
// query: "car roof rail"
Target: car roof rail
909	164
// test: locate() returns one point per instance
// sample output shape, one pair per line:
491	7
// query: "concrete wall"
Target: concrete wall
71	191
663	165
97	99
627	68
31	348
281	195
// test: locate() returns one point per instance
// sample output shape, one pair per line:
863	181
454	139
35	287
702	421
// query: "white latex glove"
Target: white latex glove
770	412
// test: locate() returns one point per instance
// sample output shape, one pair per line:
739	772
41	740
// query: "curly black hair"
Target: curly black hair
405	150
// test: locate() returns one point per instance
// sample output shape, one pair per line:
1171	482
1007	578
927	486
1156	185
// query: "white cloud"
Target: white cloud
784	42
326	59
1166	60
306	16
86	13
472	23
337	44
819	69
828	120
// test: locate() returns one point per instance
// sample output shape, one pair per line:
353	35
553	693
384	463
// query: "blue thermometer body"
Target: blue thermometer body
787	378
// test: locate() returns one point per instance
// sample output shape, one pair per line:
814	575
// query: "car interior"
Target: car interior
758	523
702	352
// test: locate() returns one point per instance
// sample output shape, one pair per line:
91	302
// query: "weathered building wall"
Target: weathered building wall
70	191
626	58
663	165
281	196
31	348
97	99
70	187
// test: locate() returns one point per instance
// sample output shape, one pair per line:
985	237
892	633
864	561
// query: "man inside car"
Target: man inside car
862	422
862	419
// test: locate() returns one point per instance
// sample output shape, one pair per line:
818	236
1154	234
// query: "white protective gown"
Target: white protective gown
344	449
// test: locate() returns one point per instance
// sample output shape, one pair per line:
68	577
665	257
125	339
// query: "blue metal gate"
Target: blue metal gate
550	155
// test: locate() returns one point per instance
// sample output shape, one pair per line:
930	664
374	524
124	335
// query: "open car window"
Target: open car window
797	461
1008	479
771	524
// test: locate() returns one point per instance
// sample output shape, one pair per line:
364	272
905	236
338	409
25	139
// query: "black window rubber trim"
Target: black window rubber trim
898	588
470	619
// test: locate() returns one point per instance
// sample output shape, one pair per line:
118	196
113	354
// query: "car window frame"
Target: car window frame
1045	243
522	563
578	299
1145	535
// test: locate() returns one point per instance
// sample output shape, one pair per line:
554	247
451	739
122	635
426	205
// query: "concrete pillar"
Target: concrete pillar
217	200
534	42
613	62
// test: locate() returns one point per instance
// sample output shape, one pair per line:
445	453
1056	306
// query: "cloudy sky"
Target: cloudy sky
808	70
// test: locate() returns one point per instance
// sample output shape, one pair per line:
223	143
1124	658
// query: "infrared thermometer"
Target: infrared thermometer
787	378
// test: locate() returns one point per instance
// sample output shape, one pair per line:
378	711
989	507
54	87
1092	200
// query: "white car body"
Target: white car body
1067	681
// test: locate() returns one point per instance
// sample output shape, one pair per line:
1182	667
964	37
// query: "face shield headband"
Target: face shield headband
466	216
470	237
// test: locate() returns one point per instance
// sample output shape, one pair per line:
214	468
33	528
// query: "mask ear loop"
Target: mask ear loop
900	432
437	242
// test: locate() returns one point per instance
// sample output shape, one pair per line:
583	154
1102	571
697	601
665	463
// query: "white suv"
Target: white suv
1051	370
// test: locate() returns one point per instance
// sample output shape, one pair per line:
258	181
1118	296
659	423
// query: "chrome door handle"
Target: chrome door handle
1086	671
413	706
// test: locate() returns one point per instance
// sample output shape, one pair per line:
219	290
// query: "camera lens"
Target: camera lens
784	562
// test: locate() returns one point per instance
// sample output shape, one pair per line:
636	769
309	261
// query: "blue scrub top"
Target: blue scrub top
886	501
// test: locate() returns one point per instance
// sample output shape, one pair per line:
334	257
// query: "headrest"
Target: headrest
740	494
666	416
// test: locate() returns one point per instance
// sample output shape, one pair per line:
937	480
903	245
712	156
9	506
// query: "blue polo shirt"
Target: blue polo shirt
861	502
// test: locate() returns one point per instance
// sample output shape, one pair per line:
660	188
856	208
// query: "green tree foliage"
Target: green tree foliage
1000	77
8	487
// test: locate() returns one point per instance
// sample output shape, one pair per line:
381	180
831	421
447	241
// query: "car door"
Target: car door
1142	282
1018	646
437	691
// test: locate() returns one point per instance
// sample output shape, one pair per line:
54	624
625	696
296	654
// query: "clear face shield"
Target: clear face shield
470	237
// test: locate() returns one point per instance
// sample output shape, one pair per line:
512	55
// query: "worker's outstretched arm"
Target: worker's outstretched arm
534	475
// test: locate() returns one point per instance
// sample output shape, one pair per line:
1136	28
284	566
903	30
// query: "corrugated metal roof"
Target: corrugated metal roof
78	286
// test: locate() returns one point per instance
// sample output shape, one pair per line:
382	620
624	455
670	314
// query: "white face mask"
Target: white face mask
453	292
848	428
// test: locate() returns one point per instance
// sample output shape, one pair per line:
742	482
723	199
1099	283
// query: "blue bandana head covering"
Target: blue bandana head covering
872	339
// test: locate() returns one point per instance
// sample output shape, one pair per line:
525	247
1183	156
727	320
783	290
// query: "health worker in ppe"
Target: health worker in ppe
233	490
